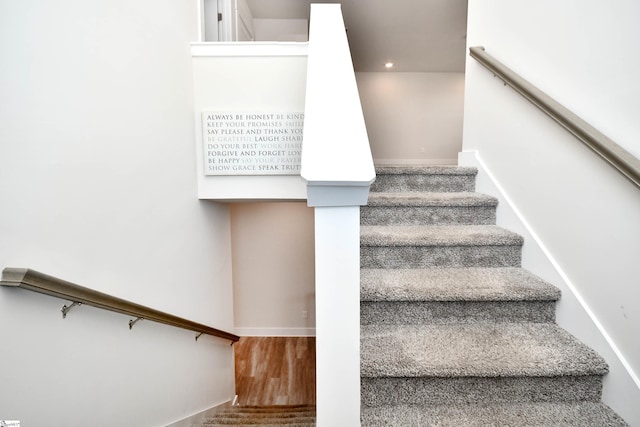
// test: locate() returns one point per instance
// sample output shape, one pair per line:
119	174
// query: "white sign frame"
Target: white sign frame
252	143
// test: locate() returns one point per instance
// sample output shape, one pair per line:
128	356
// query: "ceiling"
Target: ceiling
416	35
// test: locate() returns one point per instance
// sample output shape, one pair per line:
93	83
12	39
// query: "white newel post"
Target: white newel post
337	263
338	168
337	315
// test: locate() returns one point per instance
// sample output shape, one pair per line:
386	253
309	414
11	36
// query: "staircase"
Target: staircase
278	415
453	331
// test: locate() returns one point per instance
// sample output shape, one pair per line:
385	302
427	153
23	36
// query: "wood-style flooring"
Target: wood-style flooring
276	370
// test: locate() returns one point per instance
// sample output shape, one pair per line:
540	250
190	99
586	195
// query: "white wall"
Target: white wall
413	117
98	187
283	30
583	212
273	269
244	22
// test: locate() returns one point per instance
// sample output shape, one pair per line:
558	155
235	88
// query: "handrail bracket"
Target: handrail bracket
133	322
65	309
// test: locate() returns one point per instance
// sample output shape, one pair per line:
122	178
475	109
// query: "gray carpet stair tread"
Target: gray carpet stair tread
454	284
578	414
258	422
424	170
437	235
274	415
489	349
453	331
428	199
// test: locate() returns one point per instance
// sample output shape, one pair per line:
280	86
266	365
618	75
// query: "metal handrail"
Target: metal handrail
615	155
42	283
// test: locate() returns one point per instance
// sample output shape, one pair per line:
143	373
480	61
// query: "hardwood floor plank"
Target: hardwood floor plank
275	370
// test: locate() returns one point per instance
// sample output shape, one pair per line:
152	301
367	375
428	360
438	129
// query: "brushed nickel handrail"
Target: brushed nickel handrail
42	283
615	155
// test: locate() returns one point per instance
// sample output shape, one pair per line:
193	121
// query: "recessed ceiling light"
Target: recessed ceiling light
388	65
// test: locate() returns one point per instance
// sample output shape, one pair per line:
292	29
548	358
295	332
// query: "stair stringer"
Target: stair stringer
621	386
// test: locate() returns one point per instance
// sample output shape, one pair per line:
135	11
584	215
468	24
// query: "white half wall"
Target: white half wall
248	77
413	118
582	211
98	187
273	269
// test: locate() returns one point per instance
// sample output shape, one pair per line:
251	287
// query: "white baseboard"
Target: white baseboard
199	417
276	332
426	162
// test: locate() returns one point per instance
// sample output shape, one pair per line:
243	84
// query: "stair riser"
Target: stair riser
416	312
574	414
439	256
473	390
431	183
437	215
264	416
262	421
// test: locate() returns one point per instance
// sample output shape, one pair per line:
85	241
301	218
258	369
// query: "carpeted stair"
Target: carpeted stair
453	331
278	415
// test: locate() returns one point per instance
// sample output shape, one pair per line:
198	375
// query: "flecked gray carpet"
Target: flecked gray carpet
278	415
576	414
453	331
